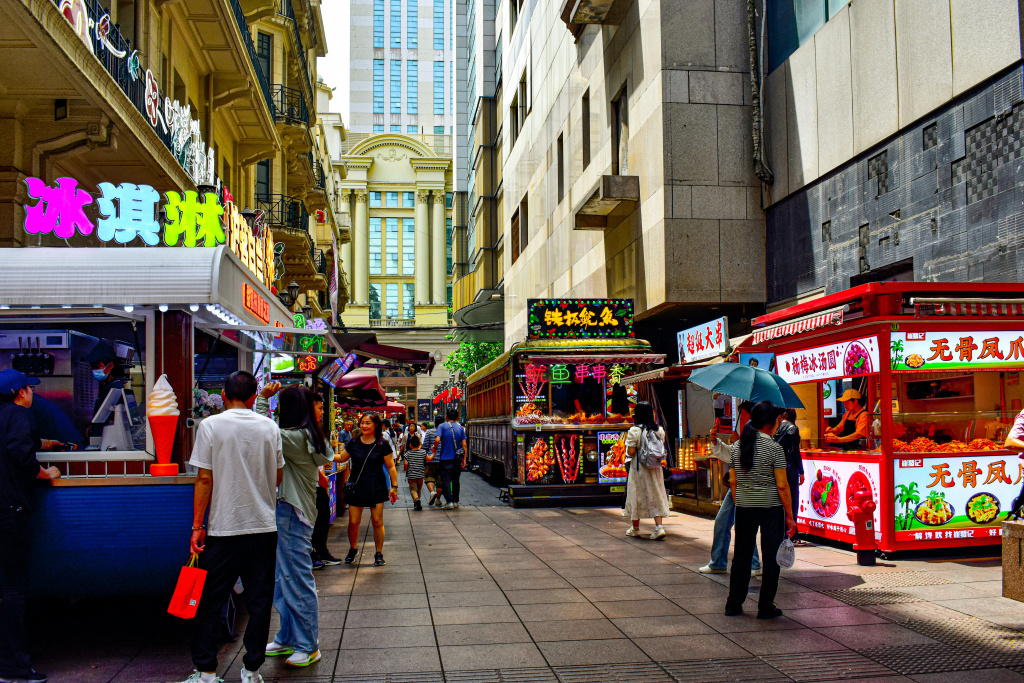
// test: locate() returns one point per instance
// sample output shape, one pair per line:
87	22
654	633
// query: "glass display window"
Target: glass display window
572	393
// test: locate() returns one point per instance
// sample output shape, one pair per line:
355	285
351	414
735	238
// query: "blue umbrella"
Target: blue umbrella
747	383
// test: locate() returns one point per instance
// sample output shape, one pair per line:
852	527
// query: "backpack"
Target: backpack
651	449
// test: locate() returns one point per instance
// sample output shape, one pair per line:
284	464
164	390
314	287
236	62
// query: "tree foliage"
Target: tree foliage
471	356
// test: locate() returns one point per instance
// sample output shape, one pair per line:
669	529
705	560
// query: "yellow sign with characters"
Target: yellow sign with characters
254	248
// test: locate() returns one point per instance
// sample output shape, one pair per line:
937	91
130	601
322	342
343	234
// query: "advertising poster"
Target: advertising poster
942	498
832	361
764	361
611	457
825	491
423	409
553	458
931	351
829	394
332	494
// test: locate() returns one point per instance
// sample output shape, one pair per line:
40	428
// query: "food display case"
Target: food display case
938	369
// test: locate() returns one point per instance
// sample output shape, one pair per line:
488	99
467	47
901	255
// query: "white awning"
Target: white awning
177	277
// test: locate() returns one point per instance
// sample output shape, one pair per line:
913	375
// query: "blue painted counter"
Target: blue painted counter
111	537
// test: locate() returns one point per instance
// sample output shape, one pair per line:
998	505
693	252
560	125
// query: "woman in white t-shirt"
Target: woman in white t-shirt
645	487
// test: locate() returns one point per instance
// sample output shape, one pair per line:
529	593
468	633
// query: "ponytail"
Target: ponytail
761	415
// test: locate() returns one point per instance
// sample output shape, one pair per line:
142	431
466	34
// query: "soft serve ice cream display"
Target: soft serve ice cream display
162	412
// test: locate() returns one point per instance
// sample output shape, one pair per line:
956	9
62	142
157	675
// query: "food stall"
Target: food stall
937	368
550	415
108	522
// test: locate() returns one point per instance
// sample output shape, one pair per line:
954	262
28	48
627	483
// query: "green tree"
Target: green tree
906	496
471	356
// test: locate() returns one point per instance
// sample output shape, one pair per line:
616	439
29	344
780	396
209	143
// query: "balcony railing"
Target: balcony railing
319	178
290	104
285	9
319	261
392	322
243	28
284	211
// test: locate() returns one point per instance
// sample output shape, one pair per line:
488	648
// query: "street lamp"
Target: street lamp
307	311
291	295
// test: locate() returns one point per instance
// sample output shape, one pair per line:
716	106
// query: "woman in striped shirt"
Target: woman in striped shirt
763	500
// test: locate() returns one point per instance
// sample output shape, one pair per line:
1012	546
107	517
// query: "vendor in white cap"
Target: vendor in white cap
853	426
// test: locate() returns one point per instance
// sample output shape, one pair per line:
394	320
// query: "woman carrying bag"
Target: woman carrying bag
645	488
370	453
763	501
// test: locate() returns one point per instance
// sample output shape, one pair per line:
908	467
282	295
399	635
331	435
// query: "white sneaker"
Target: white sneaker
448	506
755	573
456	505
708	569
303	658
633	531
199	677
251	676
276	649
658	533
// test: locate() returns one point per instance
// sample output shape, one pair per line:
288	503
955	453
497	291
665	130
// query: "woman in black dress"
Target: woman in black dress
369	453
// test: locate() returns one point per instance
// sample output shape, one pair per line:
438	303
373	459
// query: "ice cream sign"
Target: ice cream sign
947	350
833	361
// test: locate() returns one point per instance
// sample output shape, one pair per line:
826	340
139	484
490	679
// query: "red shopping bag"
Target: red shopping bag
185	600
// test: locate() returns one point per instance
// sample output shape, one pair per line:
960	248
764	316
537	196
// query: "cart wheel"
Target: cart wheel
881	555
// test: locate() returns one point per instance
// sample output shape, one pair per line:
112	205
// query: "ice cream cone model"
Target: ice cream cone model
162	412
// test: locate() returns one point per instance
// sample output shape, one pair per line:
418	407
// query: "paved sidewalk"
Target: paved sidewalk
489	594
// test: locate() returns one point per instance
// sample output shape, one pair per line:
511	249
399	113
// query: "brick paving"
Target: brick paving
489	593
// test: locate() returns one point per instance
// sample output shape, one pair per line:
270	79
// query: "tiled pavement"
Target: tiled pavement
487	594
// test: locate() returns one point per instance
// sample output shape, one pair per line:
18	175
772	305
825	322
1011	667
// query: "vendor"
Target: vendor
853	425
103	361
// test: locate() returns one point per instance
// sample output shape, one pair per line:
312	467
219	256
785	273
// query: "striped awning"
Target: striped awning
786	329
925	310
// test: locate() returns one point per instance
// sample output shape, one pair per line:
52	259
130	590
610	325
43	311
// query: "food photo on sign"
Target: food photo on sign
611	457
833	361
828	488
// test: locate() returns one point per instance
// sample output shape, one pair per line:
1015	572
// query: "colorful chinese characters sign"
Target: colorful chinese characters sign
931	351
255	304
843	359
954	497
580	318
824	495
703	341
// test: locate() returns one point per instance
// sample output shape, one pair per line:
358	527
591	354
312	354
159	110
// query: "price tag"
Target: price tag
617	489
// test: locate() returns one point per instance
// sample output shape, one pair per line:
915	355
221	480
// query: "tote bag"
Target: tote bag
185	600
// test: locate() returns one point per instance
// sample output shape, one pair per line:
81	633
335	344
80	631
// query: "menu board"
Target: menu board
953	497
553	458
579	318
611	457
824	493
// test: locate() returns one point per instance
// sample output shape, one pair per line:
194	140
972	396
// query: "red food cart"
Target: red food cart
938	368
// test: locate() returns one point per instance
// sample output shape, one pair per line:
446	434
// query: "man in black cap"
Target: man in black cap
18	471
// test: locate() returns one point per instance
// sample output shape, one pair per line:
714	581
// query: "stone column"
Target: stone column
422	248
438	262
361	249
349	268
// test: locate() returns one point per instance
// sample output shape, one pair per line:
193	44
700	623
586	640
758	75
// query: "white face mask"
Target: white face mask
100	375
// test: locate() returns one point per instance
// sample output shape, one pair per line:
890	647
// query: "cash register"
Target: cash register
116	436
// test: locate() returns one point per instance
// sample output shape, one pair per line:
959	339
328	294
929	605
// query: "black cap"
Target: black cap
100	352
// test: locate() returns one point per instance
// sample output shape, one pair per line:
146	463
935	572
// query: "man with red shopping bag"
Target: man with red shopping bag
240	461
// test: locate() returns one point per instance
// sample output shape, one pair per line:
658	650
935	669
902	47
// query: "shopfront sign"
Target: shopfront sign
954	497
703	341
253	247
579	318
255	304
824	495
611	457
946	350
832	361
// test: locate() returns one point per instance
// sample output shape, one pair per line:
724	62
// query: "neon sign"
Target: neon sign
307	363
254	248
580	318
255	304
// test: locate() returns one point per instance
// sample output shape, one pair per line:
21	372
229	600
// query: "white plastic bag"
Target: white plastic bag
787	554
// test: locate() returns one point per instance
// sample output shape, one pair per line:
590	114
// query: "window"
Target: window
438	24
560	154
448	244
226	173
411	129
514	234
264	52
409	198
408	246
793	22
374	301
408	300
391	246
586	129
396	129
263	179
438	130
378	128
396	23
378	86
448	292
375	251
375	199
391	200
391	300
439	88
448	200
518	111
378	23
396	86
513	18
620	134
412	78
412	28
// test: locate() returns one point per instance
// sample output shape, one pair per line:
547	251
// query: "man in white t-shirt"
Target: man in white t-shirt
238	453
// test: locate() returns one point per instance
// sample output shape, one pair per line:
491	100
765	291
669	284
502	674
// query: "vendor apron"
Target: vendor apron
849	428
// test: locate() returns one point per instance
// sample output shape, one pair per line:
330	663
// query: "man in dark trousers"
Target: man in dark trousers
451	450
19	471
240	461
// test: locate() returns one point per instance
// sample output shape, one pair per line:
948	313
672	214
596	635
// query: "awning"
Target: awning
926	308
623	358
360	388
365	344
791	327
672	372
